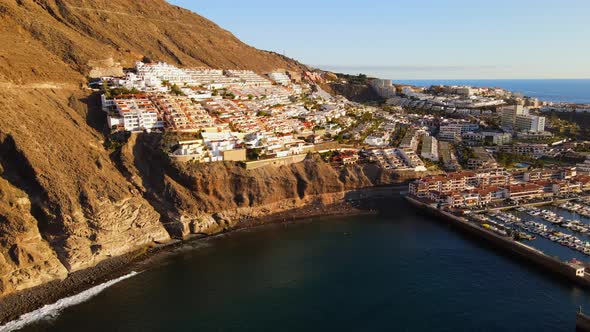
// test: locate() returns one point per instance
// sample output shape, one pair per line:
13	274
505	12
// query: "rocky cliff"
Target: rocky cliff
66	202
362	93
208	198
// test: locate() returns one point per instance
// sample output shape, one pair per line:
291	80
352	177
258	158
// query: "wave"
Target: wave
53	310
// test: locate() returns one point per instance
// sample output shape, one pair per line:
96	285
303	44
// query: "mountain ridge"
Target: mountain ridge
62	37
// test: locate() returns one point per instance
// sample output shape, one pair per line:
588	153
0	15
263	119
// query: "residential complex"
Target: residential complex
430	148
240	115
468	189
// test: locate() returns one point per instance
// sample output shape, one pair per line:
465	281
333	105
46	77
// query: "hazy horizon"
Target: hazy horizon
397	74
457	39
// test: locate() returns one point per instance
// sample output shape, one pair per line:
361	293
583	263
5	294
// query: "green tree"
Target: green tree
175	89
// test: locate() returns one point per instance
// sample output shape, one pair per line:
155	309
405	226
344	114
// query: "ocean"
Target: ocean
571	91
401	270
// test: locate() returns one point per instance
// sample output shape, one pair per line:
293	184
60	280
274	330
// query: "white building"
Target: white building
454	130
429	148
280	78
530	123
379	139
191	150
411	160
508	115
384	88
219	142
136	114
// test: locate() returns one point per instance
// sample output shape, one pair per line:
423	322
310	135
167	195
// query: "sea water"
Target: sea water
554	90
401	270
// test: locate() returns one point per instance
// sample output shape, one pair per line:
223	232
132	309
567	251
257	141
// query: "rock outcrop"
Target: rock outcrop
25	258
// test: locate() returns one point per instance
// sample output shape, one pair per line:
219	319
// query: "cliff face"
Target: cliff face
66	203
356	92
206	198
80	206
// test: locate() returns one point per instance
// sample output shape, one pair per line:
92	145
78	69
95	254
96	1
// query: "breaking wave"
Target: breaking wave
52	310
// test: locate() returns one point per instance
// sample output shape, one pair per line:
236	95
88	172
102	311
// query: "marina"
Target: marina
565	225
525	232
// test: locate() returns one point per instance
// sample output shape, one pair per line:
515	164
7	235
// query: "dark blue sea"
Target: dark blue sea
572	91
399	271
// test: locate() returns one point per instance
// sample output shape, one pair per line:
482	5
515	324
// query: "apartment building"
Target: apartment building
411	139
181	114
482	159
377	139
508	115
533	150
280	78
530	123
430	148
448	157
384	88
248	78
190	150
135	113
453	131
487	138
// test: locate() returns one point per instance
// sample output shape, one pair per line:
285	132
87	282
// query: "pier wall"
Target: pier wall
280	161
530	254
582	322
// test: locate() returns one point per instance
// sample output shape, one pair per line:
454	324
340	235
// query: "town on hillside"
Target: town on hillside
494	159
280	117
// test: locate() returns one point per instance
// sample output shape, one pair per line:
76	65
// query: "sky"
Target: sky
429	39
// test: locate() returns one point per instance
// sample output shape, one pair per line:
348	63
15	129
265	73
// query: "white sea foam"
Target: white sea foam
52	310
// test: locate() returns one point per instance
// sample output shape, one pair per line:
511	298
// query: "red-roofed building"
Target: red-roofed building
583	181
523	191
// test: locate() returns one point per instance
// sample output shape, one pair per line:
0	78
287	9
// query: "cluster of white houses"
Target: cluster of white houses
234	110
151	76
397	159
469	189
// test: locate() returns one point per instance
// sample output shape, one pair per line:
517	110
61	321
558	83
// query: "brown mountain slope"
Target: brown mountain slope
66	202
64	205
55	39
81	206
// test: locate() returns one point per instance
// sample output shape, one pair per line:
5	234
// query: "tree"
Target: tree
253	154
175	89
106	89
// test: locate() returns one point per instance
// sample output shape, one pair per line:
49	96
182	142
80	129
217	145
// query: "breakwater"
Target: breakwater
523	251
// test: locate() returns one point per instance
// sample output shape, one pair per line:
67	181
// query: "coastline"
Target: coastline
14	305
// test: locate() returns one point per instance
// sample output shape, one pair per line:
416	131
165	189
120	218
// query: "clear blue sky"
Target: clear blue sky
430	39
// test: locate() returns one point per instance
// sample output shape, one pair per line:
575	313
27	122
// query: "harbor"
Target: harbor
550	237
